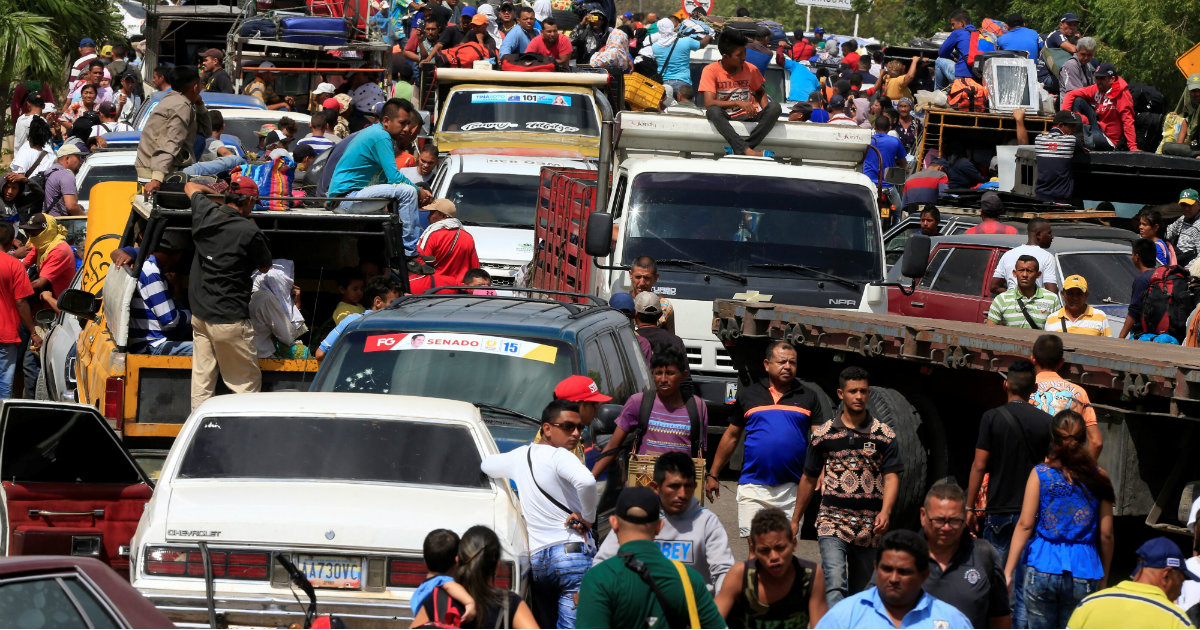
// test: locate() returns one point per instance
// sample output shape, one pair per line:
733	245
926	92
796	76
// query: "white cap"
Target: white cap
324	88
49	109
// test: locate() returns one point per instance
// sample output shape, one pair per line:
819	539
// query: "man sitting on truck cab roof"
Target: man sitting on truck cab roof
733	90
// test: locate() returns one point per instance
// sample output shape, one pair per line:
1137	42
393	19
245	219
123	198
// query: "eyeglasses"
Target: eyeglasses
952	522
569	427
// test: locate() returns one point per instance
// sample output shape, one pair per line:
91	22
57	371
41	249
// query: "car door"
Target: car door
69	487
57	377
901	304
960	290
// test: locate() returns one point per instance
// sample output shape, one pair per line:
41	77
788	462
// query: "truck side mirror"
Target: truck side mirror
916	256
79	302
598	240
605	422
895	175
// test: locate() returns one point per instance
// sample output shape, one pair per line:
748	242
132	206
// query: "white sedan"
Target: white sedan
346	486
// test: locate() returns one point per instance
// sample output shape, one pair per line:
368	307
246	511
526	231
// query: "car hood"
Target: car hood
506	246
300	514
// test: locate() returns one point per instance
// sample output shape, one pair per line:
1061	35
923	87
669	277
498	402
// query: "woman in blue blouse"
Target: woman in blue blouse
1067	523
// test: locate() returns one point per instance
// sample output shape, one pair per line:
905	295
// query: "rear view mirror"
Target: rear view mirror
916	256
606	419
598	241
895	175
79	302
44	317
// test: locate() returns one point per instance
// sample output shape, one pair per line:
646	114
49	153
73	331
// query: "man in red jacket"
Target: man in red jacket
1108	106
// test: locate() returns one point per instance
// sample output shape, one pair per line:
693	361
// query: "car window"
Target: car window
960	228
595	364
43	443
894	247
618	383
634	359
89	601
495	199
935	264
246	129
964	271
1109	275
107	173
333	449
37	603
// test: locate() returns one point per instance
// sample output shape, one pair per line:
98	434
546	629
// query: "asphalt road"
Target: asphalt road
725	507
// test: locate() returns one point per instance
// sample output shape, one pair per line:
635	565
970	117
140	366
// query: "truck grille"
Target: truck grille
695	358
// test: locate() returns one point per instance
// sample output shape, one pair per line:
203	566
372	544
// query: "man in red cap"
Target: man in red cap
582	390
229	247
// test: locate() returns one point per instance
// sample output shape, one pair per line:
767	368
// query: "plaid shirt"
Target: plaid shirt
152	310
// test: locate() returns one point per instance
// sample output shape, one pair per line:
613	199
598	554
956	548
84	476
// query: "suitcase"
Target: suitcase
258	28
316	31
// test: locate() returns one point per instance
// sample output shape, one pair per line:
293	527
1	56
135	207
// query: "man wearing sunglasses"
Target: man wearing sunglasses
964	571
558	498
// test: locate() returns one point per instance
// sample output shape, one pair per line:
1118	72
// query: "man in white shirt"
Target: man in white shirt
21	128
1038	245
427	161
558	498
837	112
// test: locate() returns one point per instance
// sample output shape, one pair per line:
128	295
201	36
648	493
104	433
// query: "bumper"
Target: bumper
277	610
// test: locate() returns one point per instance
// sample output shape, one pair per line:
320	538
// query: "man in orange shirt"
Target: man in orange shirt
733	90
1055	394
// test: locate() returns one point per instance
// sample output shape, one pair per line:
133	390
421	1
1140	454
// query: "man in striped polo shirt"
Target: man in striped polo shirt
1076	316
1054	151
1146	600
157	325
1026	305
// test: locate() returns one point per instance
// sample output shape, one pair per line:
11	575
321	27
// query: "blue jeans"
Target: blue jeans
9	353
215	167
406	205
848	567
1050	599
943	73
172	349
675	85
998	530
556	579
31	363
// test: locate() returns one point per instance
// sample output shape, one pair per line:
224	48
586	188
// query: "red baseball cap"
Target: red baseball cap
579	389
332	103
243	186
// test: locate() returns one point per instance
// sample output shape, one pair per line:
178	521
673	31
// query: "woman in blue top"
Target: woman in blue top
673	54
1068	514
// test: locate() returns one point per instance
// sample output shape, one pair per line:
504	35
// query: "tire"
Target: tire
890	408
41	391
822	397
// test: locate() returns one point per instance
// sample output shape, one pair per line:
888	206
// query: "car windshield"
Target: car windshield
333	449
1108	275
525	111
112	173
738	222
510	372
495	199
245	128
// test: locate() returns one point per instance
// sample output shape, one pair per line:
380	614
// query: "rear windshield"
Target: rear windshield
100	174
333	449
495	199
245	128
1109	275
524	111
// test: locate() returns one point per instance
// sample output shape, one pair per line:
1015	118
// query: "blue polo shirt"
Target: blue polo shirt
893	154
1022	38
866	610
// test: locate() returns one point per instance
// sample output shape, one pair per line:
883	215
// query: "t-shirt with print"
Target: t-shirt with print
14	285
1055	394
669	429
739	86
854	462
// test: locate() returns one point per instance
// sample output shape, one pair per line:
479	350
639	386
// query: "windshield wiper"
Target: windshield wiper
700	265
846	282
507	411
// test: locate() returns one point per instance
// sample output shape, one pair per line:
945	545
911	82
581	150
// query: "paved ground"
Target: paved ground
725	507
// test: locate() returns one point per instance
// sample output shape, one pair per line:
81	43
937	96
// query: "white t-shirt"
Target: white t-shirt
560	473
25	158
1190	595
1004	269
21	129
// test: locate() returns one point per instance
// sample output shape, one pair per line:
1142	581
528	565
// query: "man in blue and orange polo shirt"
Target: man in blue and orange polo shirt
776	414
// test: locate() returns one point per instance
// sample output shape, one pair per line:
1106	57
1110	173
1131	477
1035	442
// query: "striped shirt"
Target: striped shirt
924	186
1128	605
1006	308
1054	150
1093	322
320	144
152	310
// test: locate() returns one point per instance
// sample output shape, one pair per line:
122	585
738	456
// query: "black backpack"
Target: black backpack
1168	302
1147	99
648	398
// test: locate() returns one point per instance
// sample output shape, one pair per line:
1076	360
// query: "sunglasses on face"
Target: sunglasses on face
569	427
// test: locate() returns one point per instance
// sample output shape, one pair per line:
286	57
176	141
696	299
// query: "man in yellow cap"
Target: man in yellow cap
1184	233
1076	315
1189	108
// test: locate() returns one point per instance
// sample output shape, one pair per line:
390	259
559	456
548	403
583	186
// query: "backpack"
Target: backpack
967	95
648	398
463	55
445	612
1147	99
1167	302
526	62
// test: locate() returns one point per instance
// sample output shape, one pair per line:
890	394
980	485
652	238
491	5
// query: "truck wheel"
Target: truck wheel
40	390
1191	491
890	408
825	400
933	436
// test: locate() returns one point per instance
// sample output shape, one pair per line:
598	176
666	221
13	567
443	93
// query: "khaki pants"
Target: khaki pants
227	349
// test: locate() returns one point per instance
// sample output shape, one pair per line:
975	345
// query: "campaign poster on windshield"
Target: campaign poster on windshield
485	344
559	100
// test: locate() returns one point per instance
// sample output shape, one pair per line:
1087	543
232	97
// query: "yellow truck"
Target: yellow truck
145	397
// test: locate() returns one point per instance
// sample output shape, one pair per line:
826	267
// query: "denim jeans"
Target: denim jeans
556	579
848	567
9	353
31	364
1050	599
1093	134
943	75
764	121
675	85
998	530
406	204
215	167
172	349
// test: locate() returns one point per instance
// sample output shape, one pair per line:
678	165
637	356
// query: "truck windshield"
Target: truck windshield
738	223
333	449
524	111
495	199
509	372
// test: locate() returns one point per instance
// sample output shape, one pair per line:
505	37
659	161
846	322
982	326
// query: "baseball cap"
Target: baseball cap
1106	70
331	103
243	186
579	389
467	11
1189	196
267	64
1193	82
324	88
818	31
107	108
1014	19
87	42
622	302
266	129
1075	282
990	201
216	53
445	206
479	20
942	162
272	138
36	222
508	6
69	148
1069	17
106	50
837	101
644	499
647	303
1160	553
49	109
627	15
1066	117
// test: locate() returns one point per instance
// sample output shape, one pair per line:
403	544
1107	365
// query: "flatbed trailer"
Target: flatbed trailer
1146	396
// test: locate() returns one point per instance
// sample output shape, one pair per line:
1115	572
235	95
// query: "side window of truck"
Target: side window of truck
935	265
964	272
614	361
594	363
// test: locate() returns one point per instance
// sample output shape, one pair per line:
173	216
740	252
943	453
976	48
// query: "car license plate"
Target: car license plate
331	571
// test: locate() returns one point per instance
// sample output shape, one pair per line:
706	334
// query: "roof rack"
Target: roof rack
576	310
